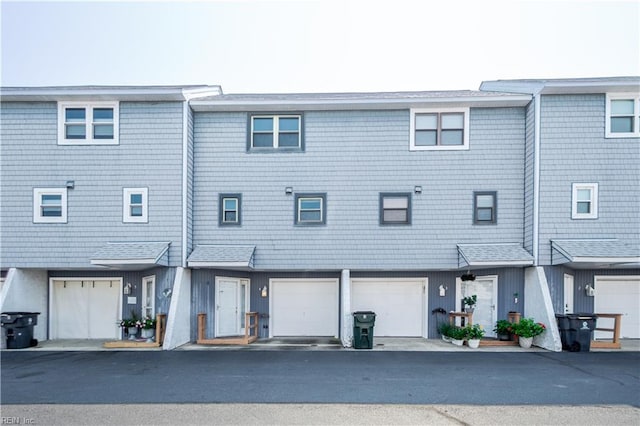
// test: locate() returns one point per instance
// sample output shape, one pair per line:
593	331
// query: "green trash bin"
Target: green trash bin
363	322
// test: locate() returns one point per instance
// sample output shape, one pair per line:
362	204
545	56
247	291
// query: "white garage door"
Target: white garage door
618	295
304	307
85	309
398	304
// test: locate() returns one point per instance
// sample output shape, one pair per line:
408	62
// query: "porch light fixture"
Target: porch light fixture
468	277
589	290
442	290
417	189
263	291
288	190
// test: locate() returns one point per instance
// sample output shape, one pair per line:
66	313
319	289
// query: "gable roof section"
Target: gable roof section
493	255
222	256
135	255
595	253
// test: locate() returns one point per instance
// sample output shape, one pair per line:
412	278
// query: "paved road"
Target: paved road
320	377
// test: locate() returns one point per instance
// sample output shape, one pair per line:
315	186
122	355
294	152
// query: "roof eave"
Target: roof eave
37	94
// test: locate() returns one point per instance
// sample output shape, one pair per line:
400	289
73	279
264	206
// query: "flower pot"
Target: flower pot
473	343
147	333
132	331
504	337
468	310
457	342
446	338
525	342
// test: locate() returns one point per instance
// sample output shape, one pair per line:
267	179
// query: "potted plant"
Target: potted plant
470	302
473	335
147	325
130	325
503	329
445	330
458	334
526	330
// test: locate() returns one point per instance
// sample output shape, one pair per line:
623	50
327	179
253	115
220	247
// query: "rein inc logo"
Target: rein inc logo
17	421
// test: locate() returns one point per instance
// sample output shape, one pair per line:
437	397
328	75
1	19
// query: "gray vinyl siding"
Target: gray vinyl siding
529	163
189	193
352	156
574	150
148	155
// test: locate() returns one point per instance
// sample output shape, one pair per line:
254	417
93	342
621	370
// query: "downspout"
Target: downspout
536	178
185	179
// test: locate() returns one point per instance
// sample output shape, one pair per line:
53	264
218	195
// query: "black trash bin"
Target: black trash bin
580	333
563	328
19	328
363	322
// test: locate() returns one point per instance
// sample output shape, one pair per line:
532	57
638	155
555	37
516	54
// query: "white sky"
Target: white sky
316	45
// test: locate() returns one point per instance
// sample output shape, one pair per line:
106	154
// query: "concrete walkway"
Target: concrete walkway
316	344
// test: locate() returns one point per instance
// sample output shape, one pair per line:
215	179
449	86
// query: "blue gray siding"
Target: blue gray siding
529	164
352	156
149	155
574	150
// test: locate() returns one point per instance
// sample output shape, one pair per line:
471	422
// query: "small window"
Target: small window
149	296
135	205
88	123
395	209
439	129
623	115
485	211
281	132
585	201
310	209
50	205
230	213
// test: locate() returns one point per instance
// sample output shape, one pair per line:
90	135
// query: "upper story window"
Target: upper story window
135	205
441	129
395	209
485	208
230	213
276	132
81	123
310	209
585	201
623	115
50	205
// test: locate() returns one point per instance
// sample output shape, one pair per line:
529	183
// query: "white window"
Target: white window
135	205
149	296
585	201
276	132
622	115
50	205
441	129
310	209
82	123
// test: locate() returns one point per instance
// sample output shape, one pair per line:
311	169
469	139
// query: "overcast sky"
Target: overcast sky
316	45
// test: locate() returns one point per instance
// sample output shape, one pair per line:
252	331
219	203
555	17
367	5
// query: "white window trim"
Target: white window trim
88	106
37	198
412	129
636	110
594	201
276	131
126	205
302	198
144	306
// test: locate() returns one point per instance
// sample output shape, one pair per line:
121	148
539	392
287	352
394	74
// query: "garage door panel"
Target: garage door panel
304	307
620	295
398	305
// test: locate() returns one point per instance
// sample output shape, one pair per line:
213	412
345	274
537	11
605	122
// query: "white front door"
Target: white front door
485	312
618	295
232	302
568	294
85	308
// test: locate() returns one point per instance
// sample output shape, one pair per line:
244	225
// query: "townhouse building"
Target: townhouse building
307	207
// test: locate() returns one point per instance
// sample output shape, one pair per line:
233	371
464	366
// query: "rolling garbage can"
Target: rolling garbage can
563	328
363	322
19	328
581	328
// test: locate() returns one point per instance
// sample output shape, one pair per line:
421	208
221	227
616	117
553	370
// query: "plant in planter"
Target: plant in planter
526	330
446	330
148	327
458	334
470	302
503	329
130	325
474	333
